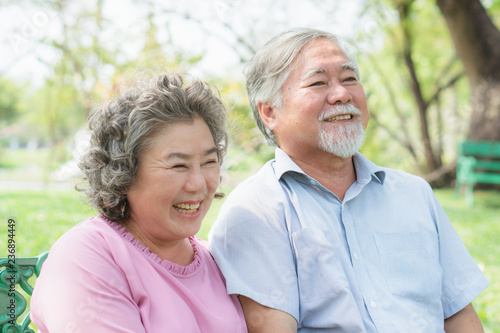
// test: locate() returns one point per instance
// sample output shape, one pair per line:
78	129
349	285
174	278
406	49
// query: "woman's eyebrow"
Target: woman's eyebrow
185	156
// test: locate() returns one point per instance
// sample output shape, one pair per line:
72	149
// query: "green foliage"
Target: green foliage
247	149
493	7
10	94
397	136
56	110
158	56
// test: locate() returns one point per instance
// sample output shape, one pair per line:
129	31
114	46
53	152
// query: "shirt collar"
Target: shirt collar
365	169
284	164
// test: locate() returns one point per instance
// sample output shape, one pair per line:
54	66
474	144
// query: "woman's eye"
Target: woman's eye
211	162
179	166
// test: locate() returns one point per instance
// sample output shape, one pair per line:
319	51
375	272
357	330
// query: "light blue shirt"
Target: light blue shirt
385	259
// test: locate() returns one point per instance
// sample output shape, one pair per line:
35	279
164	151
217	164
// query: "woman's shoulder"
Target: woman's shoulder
87	243
87	233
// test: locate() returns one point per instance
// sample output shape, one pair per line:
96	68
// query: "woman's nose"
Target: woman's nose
196	181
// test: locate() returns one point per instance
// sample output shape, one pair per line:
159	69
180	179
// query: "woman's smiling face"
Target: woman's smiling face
175	183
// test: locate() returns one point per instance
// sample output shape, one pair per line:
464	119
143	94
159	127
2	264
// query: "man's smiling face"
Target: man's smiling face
323	101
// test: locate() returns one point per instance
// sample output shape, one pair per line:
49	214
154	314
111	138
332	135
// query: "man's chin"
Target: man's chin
341	154
345	148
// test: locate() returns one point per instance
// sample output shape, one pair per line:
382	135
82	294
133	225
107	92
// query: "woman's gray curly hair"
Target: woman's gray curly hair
122	130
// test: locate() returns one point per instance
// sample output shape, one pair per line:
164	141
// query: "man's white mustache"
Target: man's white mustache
340	110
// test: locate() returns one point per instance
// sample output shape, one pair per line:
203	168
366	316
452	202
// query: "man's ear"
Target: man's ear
267	114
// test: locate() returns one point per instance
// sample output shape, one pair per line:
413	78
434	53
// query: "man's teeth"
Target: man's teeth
337	118
187	208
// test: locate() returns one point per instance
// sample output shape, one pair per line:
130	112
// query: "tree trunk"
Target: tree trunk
477	42
433	162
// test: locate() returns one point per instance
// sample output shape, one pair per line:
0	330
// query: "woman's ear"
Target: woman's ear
267	114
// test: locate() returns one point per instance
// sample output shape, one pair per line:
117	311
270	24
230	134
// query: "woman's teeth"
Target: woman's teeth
187	208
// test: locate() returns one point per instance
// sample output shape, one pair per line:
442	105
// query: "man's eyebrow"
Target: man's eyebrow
348	66
318	70
313	71
187	156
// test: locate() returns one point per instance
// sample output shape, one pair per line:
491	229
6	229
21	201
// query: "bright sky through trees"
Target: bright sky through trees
24	27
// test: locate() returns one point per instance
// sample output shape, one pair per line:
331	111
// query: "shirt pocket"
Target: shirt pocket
319	271
411	264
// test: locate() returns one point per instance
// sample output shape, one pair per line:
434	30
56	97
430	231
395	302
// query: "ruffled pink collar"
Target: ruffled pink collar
170	266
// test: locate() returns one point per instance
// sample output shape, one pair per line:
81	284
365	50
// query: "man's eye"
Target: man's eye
179	166
318	83
351	79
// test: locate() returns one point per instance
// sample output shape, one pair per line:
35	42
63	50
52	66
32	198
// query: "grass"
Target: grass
479	228
43	216
31	164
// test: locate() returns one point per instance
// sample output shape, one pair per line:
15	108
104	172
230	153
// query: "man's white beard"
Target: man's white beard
345	140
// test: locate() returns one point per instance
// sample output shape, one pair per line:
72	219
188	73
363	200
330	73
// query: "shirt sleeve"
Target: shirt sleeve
462	279
251	246
81	289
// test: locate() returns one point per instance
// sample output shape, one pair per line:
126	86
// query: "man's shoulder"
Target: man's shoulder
392	179
405	184
399	175
262	189
264	179
255	208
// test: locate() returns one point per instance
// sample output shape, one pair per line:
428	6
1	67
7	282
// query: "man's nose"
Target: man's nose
338	94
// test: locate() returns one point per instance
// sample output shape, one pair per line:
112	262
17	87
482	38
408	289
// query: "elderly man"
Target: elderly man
321	239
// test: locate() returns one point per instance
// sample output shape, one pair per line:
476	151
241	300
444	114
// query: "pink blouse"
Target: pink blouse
99	278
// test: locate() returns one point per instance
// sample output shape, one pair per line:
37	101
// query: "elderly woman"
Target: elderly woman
152	168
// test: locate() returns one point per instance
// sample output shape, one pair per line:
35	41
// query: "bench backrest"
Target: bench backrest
489	149
14	286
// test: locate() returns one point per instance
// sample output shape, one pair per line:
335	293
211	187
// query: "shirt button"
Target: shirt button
373	304
355	256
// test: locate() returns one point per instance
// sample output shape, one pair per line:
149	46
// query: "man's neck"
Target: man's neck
335	173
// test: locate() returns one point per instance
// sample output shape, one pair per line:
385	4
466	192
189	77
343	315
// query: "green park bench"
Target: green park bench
17	278
478	162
